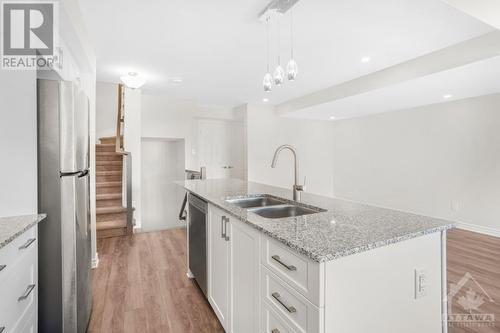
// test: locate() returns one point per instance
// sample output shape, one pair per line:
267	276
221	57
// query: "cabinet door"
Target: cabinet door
218	266
245	270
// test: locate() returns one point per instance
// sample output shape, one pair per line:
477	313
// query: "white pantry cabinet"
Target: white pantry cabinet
19	284
218	265
233	272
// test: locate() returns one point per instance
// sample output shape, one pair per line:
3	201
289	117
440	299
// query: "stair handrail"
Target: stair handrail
120	119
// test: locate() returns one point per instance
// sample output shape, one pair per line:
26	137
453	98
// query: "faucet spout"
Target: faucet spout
296	187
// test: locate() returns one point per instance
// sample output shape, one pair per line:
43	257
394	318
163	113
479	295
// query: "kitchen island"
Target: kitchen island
347	267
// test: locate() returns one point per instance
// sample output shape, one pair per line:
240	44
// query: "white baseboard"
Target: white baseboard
95	261
136	229
189	274
479	229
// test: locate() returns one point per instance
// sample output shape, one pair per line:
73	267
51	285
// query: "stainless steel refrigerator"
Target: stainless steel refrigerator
65	297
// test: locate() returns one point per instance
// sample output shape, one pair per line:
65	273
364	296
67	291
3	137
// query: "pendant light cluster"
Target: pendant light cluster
278	76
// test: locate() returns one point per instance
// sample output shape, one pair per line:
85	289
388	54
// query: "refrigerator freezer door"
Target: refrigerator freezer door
81	119
83	252
67	127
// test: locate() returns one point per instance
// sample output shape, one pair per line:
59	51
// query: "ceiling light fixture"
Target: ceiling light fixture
332	118
133	80
265	100
447	96
279	73
366	59
176	80
267	82
292	69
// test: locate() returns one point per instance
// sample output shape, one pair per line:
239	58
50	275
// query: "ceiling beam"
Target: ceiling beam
472	50
487	11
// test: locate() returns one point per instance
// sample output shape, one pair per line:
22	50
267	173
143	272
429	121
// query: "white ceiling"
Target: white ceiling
218	47
476	79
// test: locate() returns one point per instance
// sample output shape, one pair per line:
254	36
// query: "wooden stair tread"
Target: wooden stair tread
109	184
111	224
110	210
109	162
105	173
108	196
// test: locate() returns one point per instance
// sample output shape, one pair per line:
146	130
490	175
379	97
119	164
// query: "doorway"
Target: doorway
163	162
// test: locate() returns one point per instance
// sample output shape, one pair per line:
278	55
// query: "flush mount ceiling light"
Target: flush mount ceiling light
265	100
332	118
274	10
447	96
132	80
366	59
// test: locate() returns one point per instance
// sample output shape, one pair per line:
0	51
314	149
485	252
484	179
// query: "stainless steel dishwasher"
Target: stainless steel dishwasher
197	230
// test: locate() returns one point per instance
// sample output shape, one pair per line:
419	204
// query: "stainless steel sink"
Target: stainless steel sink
258	201
281	211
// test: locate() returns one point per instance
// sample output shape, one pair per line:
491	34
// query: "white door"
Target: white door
220	148
162	164
244	266
218	265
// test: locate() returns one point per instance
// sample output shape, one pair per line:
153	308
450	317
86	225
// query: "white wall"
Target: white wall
106	109
266	131
132	144
18	143
163	117
441	160
162	164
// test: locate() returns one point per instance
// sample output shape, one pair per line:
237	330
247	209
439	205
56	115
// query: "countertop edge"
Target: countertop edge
34	219
333	256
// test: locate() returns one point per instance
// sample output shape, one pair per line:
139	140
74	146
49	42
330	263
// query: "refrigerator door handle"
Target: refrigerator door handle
84	173
69	174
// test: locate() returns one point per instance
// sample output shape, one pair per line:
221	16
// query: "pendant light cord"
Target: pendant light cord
267	33
291	33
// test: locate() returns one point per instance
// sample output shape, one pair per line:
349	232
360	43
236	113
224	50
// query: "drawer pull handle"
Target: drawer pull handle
289	267
273	331
226	221
2	329
26	293
2	267
288	308
27	244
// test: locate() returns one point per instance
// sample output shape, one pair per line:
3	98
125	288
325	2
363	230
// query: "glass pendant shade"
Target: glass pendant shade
267	83
292	70
279	75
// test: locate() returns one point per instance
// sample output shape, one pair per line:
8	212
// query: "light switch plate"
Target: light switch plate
420	283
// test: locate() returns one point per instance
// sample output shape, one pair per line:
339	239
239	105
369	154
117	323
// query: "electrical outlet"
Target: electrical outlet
420	283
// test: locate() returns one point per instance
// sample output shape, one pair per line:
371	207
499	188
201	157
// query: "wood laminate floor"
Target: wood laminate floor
141	283
141	286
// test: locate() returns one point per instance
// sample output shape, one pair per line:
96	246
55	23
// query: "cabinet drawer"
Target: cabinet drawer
19	289
304	315
272	322
15	250
301	273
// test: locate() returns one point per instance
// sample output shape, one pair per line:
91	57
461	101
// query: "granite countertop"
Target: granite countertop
344	229
13	226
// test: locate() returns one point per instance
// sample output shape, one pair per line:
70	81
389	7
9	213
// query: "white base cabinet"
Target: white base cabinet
19	284
257	284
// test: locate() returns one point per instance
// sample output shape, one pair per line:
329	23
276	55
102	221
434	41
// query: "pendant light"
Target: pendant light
268	78
292	68
279	73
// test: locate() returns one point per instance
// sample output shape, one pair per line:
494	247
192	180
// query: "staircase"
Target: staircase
111	216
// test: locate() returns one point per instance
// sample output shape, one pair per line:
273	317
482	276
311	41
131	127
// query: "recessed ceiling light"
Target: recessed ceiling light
447	96
366	59
265	100
332	118
176	80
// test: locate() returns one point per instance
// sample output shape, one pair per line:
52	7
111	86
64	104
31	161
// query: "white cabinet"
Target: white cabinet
244	268
19	284
218	264
233	272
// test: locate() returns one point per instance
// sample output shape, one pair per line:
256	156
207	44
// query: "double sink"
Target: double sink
272	207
